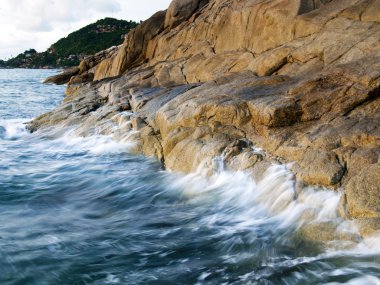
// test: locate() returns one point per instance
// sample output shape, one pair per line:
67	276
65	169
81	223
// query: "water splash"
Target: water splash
365	280
240	203
78	208
13	129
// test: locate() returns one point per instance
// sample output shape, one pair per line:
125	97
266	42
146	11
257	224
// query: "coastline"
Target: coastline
43	68
302	100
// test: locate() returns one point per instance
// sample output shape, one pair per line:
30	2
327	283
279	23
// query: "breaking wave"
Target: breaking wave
86	210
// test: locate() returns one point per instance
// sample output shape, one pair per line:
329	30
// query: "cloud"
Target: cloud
143	9
11	46
39	23
43	15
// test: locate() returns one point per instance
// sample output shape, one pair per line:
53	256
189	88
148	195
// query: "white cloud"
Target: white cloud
43	15
37	24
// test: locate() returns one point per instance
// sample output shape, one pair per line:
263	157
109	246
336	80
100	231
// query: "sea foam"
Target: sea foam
13	129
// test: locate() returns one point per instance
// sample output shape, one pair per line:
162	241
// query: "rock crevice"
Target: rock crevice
299	79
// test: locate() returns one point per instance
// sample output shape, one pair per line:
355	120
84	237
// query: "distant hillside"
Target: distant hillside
94	37
69	50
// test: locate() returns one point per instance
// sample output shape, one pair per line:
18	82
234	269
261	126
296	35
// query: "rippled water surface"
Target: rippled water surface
85	211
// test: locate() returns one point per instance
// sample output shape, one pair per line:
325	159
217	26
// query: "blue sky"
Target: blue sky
37	24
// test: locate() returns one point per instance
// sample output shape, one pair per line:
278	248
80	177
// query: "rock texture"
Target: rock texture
63	77
85	71
299	79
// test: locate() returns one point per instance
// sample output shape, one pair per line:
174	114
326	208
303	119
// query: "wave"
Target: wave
365	280
241	202
13	129
273	200
234	206
95	145
58	139
269	213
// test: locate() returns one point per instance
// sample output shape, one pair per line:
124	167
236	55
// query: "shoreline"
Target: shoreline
49	68
92	116
303	100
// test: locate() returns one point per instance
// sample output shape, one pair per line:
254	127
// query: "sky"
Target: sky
38	24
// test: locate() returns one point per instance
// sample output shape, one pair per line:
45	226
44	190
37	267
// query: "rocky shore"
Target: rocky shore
252	82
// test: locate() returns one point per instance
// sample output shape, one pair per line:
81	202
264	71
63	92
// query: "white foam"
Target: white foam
258	150
240	201
112	279
365	280
14	128
106	137
243	203
96	145
234	202
369	245
108	146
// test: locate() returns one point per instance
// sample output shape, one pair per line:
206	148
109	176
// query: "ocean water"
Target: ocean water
85	211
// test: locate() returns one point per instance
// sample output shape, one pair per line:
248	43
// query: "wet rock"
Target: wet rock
363	193
299	79
368	226
138	123
151	143
258	170
245	160
325	232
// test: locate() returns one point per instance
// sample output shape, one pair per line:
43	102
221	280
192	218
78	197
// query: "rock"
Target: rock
362	158
259	169
82	78
180	11
82	73
134	49
150	143
331	234
299	79
318	167
245	160
269	62
368	226
91	61
363	193
138	123
325	232
63	77
372	12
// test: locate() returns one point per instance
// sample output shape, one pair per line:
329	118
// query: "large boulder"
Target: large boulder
298	79
181	10
134	49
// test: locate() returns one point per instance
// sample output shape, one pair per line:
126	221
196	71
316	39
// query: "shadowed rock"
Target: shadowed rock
299	79
63	77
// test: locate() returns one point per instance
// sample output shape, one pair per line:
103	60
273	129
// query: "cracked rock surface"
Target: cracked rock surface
299	79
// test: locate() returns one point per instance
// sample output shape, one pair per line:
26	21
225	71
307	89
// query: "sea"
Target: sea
77	210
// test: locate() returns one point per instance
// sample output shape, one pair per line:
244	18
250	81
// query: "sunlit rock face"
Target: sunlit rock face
298	79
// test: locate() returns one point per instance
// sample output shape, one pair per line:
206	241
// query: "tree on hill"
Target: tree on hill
93	38
67	51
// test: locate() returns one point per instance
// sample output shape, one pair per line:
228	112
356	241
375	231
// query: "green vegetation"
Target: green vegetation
69	50
32	59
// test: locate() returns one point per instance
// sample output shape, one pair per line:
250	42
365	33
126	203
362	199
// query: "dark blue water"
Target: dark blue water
85	211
